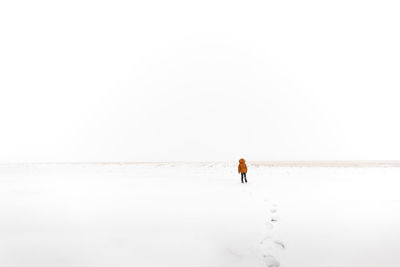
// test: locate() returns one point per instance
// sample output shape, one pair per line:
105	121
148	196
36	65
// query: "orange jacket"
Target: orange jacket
242	168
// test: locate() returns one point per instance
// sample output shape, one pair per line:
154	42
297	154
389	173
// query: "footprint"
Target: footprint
274	219
270	261
280	244
273	210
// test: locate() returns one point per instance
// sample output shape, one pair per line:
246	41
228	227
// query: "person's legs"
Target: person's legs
245	177
242	176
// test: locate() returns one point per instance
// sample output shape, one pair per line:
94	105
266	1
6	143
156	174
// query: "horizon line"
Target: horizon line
257	163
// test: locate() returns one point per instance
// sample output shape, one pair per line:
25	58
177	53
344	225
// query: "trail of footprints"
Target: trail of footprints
268	242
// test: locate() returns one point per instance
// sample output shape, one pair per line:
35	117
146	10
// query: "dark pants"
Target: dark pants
244	176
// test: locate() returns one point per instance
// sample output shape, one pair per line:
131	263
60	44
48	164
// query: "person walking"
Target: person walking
242	169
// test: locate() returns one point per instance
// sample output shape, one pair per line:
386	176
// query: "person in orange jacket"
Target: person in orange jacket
242	169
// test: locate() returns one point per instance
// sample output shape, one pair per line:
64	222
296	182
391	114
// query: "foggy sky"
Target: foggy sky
199	80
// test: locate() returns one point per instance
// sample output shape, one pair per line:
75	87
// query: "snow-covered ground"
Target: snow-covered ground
198	215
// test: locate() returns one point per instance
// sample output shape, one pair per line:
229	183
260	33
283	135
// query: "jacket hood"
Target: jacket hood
242	161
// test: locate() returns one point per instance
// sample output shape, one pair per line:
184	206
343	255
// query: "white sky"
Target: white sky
199	80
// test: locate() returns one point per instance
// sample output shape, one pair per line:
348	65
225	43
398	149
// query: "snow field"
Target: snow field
198	215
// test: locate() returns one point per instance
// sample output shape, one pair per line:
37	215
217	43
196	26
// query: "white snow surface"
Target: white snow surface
198	214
